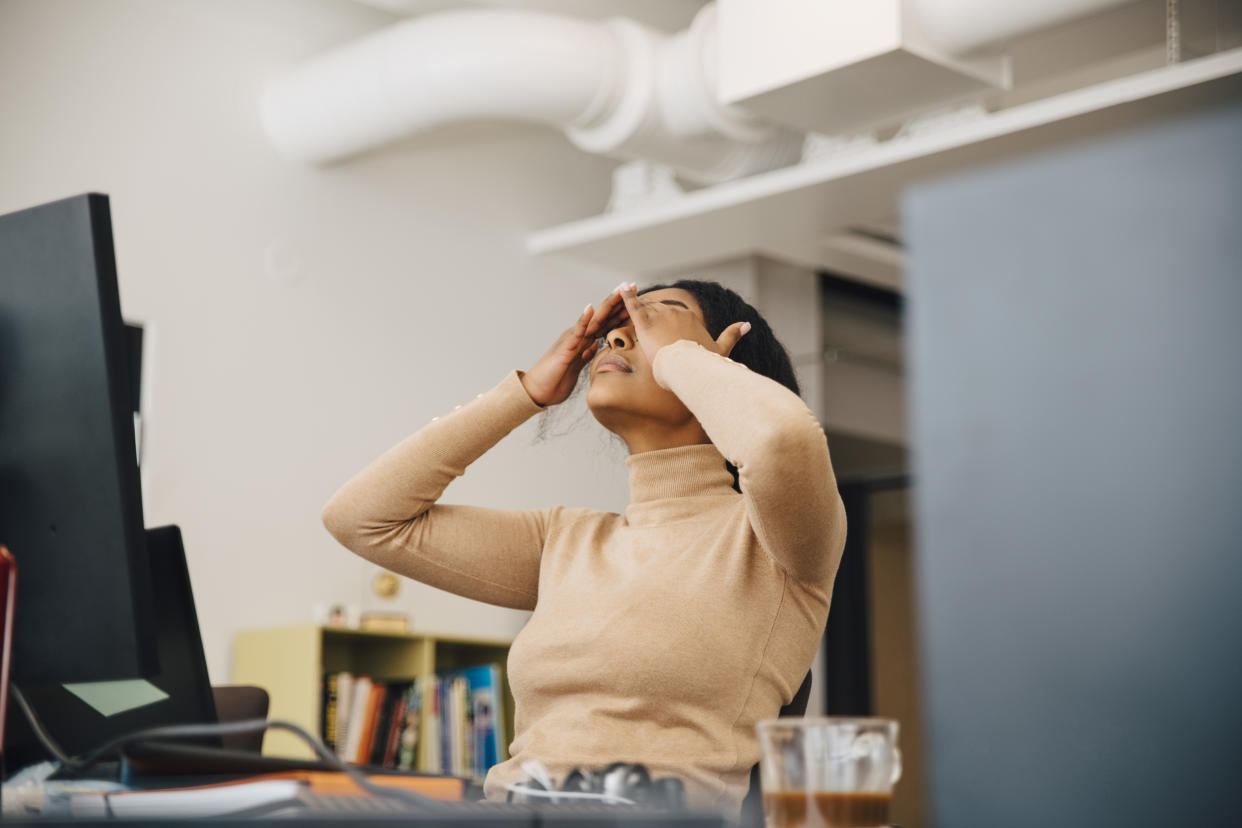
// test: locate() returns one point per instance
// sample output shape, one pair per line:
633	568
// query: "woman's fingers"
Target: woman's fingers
610	314
584	319
584	358
611	323
730	336
575	335
633	305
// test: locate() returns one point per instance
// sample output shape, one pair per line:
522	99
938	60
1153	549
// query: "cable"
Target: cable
40	731
188	731
172	732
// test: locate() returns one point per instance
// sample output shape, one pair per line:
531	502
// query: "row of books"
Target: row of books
453	720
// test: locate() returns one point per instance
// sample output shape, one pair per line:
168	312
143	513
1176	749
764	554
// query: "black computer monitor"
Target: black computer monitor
70	504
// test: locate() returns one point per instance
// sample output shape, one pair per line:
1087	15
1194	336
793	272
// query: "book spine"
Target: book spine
465	723
344	707
444	690
498	713
360	695
327	727
383	720
438	737
461	756
408	756
483	732
369	722
395	725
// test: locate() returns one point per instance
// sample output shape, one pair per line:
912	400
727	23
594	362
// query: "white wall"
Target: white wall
301	320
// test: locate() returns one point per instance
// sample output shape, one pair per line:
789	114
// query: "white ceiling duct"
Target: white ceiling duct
616	87
961	26
620	88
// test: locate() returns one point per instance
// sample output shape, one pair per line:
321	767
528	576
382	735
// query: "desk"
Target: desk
466	815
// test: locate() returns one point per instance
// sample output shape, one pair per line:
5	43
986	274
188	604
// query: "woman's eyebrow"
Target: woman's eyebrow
674	302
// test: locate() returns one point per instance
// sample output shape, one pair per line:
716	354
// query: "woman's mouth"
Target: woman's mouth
613	364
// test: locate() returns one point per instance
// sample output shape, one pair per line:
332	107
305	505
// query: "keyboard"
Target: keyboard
465	814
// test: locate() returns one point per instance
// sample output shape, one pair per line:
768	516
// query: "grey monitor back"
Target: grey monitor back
1075	340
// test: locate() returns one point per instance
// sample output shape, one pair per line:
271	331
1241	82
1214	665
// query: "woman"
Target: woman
660	635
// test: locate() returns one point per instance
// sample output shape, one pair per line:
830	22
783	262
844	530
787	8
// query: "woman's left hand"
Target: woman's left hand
657	324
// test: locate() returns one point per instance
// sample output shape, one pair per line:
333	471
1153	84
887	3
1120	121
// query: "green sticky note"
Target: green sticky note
111	697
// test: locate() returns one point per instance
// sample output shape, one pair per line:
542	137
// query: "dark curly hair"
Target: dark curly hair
759	350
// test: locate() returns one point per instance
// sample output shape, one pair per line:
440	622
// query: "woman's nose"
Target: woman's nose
619	339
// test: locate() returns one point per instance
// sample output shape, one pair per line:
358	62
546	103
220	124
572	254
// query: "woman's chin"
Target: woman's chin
608	405
599	399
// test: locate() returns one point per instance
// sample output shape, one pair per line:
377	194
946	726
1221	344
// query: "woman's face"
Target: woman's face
624	394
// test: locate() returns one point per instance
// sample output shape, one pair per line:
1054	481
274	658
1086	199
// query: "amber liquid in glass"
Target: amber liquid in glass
795	809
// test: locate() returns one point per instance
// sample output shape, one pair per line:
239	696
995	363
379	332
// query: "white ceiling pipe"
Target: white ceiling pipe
961	26
669	111
430	71
615	87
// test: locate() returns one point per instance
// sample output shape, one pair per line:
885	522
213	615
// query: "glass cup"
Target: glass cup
828	772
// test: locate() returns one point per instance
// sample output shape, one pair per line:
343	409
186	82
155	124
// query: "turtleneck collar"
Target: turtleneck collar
660	482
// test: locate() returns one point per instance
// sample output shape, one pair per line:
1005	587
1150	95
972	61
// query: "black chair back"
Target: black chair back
236	703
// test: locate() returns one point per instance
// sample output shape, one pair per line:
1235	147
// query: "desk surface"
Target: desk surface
466	815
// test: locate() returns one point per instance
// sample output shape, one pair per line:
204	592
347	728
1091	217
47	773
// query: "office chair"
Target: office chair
752	806
236	703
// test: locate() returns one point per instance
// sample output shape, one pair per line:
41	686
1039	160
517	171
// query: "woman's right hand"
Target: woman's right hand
551	380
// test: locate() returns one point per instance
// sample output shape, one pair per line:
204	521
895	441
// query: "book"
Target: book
344	706
370	716
451	719
208	801
431	724
483	735
379	731
466	724
395	725
270	790
331	698
360	695
407	755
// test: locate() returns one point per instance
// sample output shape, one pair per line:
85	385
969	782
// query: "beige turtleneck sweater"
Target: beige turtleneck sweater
660	635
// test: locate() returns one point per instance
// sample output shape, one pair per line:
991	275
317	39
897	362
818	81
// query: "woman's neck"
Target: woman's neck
641	440
642	432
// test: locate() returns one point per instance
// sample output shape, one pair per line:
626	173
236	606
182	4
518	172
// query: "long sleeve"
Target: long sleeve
388	514
779	448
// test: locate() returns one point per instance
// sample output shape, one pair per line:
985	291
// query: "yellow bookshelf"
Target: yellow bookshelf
291	662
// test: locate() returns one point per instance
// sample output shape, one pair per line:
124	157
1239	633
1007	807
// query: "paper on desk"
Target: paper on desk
216	800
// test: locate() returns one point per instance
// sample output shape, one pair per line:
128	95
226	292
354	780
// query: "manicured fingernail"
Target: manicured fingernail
619	288
587	310
745	327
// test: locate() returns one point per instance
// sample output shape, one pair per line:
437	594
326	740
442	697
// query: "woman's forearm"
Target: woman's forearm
778	446
387	512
